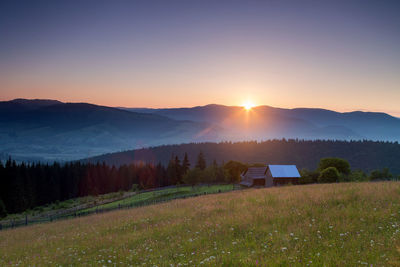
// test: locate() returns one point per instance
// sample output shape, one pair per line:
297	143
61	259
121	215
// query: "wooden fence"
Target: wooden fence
79	213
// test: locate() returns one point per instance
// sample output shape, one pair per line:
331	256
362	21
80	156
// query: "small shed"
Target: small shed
270	175
254	176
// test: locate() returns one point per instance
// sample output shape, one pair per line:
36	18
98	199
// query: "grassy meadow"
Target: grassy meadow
62	206
346	224
165	194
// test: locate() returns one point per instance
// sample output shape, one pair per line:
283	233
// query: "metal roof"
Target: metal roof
284	171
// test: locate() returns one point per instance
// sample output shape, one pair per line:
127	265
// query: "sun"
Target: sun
248	105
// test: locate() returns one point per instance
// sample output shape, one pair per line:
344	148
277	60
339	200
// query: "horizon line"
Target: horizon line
395	114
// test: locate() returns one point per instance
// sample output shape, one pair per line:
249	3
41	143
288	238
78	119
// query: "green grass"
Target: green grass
346	224
163	194
52	208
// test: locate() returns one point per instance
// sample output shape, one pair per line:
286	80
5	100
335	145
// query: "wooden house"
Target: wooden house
270	175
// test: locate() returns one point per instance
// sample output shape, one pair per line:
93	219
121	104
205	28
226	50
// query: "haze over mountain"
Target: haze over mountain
52	130
49	130
265	122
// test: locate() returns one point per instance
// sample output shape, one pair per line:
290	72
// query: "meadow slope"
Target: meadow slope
344	224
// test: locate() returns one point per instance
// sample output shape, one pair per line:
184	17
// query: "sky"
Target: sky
340	55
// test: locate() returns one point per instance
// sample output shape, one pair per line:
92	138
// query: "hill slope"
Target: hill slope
53	130
365	155
330	225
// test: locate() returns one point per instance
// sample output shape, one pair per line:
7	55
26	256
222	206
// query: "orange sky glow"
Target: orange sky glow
135	54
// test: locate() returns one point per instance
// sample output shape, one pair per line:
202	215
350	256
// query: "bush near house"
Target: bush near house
343	168
329	175
342	165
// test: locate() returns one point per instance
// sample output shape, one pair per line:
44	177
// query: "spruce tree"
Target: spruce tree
185	164
171	172
178	170
201	162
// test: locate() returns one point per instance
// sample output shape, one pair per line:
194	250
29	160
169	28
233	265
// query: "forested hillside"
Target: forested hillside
25	186
364	155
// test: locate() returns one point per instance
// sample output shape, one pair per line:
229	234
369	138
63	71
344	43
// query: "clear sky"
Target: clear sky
341	55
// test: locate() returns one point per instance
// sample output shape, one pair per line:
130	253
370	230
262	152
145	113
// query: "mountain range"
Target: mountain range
49	130
265	122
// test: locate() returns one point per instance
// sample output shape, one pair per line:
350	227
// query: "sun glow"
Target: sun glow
248	105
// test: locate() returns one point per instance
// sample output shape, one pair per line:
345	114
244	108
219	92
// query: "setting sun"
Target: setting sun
248	105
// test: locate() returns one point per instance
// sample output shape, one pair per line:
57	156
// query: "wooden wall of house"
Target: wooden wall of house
283	181
268	179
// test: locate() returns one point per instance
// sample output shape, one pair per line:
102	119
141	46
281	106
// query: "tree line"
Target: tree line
333	170
364	155
25	186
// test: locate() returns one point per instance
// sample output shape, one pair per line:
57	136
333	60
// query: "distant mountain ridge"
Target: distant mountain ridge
304	123
37	130
53	130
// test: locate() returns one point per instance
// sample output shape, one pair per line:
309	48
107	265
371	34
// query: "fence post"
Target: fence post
26	219
1	226
12	223
119	206
51	219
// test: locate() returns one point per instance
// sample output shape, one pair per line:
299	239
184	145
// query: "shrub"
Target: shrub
135	188
383	174
209	175
234	169
213	174
341	165
357	175
308	177
194	176
329	175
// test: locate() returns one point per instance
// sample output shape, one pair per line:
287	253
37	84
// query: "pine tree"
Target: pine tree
215	164
185	164
171	172
201	162
178	170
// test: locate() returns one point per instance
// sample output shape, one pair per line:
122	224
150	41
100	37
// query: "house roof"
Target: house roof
284	171
256	172
246	183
